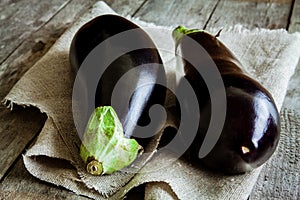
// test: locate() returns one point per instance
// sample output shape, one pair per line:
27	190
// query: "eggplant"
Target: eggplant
129	84
251	129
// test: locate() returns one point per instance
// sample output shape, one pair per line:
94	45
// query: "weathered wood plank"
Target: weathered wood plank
251	14
194	13
19	18
295	18
17	129
19	184
39	42
292	99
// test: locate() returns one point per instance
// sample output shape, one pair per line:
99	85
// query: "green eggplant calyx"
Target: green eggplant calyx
104	148
180	31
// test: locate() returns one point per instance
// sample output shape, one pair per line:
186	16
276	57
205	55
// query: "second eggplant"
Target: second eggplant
252	124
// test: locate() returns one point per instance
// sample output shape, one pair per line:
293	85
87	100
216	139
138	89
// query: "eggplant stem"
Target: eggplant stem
179	32
219	32
94	167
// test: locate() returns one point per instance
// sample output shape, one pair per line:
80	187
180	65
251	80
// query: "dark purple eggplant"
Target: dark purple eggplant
252	125
134	51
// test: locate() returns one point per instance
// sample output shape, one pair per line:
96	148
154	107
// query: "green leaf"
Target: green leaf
104	148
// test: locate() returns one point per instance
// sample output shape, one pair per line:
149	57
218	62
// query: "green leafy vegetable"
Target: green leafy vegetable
104	148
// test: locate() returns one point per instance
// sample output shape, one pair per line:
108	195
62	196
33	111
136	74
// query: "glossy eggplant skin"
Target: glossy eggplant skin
252	125
146	62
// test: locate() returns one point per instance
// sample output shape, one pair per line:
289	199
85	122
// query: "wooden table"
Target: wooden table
28	28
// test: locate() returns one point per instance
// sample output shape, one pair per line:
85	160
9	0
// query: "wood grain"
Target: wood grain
251	14
264	1
17	129
19	184
125	7
17	22
193	13
295	18
292	99
38	43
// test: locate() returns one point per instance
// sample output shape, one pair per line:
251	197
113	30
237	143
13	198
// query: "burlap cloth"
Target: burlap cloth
268	56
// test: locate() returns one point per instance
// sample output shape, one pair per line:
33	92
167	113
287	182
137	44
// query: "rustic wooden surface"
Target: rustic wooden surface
28	28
